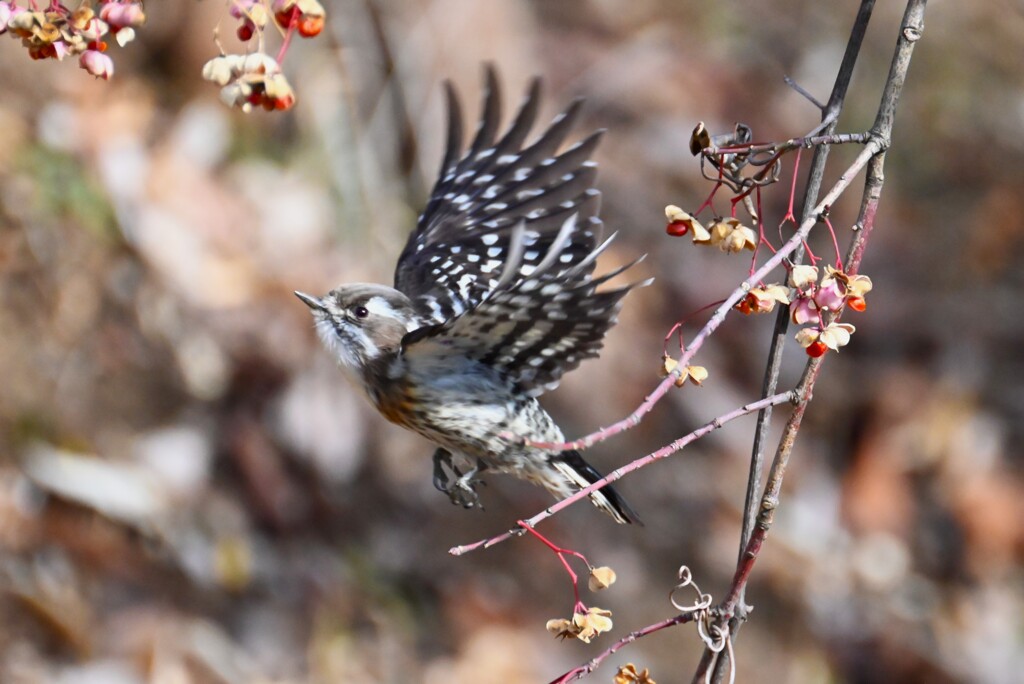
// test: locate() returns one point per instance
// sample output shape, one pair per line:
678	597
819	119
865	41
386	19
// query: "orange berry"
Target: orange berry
816	349
744	307
857	303
677	228
310	26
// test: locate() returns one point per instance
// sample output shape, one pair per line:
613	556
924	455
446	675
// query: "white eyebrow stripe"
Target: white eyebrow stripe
380	306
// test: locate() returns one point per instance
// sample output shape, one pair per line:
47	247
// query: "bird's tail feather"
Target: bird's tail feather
581	474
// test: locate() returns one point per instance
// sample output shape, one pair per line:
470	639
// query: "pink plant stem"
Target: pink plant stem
760	225
678	326
665	451
873	147
709	202
561	553
790	216
835	242
292	22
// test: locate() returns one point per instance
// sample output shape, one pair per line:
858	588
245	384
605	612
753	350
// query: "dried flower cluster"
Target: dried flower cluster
57	31
728	234
628	674
250	80
695	374
255	79
601	578
586	623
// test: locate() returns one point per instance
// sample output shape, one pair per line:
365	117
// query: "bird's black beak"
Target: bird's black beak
312	302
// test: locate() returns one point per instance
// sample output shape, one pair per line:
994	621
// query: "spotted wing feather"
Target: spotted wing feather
532	329
461	244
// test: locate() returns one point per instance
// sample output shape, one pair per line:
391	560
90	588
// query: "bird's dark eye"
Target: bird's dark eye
361	312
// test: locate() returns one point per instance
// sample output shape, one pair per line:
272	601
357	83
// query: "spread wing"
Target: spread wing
463	239
532	327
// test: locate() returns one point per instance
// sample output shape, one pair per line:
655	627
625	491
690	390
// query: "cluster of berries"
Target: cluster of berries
305	16
812	302
57	31
256	79
812	299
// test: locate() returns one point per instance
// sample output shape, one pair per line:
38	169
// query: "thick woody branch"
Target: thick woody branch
911	29
829	118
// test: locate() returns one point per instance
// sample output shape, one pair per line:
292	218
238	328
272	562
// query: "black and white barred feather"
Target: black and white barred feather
502	258
462	240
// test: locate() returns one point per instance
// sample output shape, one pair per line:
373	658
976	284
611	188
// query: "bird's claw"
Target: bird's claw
461	491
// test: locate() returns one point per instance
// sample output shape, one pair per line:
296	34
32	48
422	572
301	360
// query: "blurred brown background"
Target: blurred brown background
189	492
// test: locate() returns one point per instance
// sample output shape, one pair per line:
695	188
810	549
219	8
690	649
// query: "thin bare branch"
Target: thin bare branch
806	141
664	452
588	667
803	91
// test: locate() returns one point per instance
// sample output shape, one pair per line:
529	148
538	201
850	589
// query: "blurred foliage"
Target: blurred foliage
190	493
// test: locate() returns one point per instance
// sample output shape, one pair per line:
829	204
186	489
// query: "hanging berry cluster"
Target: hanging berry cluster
255	79
58	32
250	79
745	168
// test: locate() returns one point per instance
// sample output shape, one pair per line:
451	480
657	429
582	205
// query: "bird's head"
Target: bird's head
362	323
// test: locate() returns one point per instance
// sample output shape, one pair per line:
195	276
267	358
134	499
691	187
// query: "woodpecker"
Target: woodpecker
494	300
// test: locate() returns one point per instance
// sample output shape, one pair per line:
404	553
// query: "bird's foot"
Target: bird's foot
461	491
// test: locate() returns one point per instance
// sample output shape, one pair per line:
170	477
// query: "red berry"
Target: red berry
857	303
816	348
744	307
310	26
245	32
284	18
677	228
